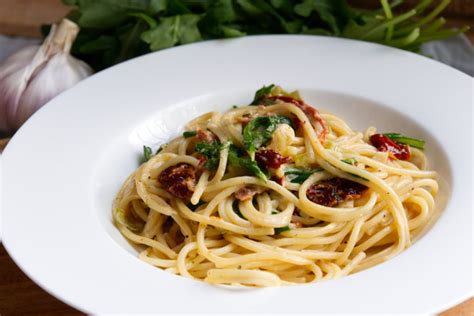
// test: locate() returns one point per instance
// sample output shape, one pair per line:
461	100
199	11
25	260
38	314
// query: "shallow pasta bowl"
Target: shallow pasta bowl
64	167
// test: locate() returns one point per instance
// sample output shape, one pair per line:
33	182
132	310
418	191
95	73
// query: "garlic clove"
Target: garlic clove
19	60
60	73
11	73
35	75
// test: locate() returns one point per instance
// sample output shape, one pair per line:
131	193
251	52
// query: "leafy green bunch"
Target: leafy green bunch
116	30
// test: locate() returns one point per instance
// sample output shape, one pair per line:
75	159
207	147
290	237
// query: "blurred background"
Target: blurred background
23	17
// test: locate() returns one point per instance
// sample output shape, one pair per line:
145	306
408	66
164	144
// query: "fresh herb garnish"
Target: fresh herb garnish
279	230
236	209
349	161
211	152
235	106
128	220
260	130
300	175
114	31
147	153
160	149
261	93
193	207
252	167
188	134
413	142
237	158
352	161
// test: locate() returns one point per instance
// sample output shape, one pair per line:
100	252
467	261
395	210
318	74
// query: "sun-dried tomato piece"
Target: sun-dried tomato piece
394	149
333	191
277	179
179	180
269	158
297	123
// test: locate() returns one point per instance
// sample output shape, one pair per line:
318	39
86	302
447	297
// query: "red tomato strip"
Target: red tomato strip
395	150
179	180
269	158
334	191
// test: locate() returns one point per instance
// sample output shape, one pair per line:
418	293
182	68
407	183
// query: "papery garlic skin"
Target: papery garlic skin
11	73
44	86
34	75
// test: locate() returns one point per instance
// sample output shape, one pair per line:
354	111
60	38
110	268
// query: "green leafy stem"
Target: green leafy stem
116	30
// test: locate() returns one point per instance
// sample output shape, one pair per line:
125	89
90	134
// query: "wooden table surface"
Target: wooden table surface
18	294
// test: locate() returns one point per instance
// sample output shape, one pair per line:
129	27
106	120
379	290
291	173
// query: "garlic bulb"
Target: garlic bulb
36	74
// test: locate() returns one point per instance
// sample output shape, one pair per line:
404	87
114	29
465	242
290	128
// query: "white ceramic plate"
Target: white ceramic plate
63	168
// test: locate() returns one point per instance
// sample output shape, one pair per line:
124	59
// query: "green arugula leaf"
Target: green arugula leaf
236	209
147	153
235	154
249	7
230	31
145	17
300	175
262	93
160	149
352	161
285	6
349	161
104	14
260	130
252	166
128	220
177	7
130	42
211	152
194	207
413	142
165	35
158	5
102	43
101	16
188	134
219	13
236	158
263	15
178	29
279	230
220	20
189	31
334	12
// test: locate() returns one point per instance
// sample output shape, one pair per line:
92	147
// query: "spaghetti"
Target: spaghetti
276	193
